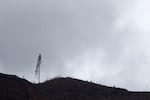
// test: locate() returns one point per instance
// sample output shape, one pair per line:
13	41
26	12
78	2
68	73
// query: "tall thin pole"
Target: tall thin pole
39	74
37	71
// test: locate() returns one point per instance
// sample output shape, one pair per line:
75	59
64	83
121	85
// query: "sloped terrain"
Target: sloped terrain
15	88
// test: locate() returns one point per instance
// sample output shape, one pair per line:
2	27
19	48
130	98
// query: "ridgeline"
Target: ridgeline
15	88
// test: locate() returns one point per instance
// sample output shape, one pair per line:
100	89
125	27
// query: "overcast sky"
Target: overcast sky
104	41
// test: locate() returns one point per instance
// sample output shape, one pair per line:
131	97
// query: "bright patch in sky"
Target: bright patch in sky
140	15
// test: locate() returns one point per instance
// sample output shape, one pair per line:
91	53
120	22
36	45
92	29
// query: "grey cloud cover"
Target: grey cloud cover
101	40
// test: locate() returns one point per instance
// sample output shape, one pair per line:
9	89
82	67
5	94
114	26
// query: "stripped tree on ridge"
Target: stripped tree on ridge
37	71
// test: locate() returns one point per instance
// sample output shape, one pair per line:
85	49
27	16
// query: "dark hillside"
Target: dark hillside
15	88
78	89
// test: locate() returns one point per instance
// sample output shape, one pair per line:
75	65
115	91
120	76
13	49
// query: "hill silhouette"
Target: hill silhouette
15	88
